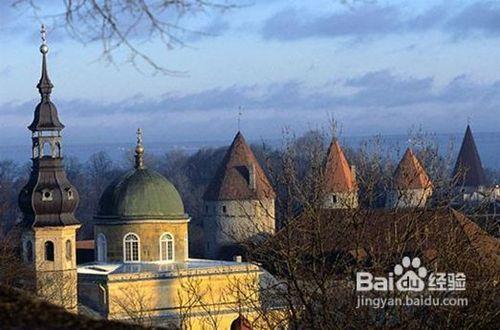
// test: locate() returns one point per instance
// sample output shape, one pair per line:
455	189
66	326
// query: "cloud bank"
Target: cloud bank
375	102
369	20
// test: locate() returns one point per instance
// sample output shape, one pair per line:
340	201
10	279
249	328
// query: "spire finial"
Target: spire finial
240	113
44	49
139	151
44	85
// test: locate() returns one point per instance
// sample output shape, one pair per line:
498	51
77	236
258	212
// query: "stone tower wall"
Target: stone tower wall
227	223
55	280
408	198
341	200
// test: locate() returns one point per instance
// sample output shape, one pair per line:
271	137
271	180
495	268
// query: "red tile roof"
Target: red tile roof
410	174
338	174
233	179
439	235
85	245
241	323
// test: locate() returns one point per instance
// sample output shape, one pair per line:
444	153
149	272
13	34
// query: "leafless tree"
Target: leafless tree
125	24
317	252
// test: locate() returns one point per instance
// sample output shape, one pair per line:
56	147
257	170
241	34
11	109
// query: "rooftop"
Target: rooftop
239	177
160	269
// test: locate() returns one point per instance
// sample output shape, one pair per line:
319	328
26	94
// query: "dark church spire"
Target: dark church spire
46	117
44	85
468	168
48	199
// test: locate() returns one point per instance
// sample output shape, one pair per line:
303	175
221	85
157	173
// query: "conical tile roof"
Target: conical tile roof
468	168
239	177
338	174
410	174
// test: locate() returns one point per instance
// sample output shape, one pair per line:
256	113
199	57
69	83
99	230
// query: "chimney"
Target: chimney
251	176
237	259
353	173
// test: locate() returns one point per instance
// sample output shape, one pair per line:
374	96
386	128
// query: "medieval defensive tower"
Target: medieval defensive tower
238	203
340	188
411	186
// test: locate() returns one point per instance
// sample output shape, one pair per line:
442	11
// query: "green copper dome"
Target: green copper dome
139	195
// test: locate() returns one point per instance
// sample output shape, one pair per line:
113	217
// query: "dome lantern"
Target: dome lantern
140	194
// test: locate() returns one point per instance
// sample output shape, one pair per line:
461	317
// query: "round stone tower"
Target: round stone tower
340	188
238	203
412	187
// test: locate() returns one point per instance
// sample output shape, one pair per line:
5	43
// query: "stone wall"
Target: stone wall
341	200
56	280
226	223
408	198
149	233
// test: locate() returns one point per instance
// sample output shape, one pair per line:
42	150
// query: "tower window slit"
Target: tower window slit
49	251
69	252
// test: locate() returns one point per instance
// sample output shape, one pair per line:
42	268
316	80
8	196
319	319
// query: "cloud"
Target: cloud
379	101
382	89
480	17
370	20
292	24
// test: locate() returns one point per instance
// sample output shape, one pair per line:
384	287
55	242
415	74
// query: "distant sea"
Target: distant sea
488	145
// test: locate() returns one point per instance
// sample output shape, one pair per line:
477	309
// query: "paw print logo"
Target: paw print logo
411	274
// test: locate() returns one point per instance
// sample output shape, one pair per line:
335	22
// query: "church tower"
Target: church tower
340	186
468	174
238	203
48	202
412	186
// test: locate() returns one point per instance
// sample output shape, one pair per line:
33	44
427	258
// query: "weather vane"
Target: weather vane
139	151
468	120
44	48
43	32
139	136
239	117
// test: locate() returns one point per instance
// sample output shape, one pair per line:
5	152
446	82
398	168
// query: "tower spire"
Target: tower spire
139	151
44	85
240	113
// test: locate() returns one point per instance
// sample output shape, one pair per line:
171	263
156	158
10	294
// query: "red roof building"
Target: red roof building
239	177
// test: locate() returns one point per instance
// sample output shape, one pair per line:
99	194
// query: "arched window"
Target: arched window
167	247
69	251
102	249
131	248
46	149
49	251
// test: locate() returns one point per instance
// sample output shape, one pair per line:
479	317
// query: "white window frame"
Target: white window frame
165	240
138	240
102	248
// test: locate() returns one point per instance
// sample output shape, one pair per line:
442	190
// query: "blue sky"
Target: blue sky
376	66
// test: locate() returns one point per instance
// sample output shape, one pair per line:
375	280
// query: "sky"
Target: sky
375	66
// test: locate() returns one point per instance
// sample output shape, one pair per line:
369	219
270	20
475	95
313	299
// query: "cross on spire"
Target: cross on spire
240	113
43	32
139	151
44	49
